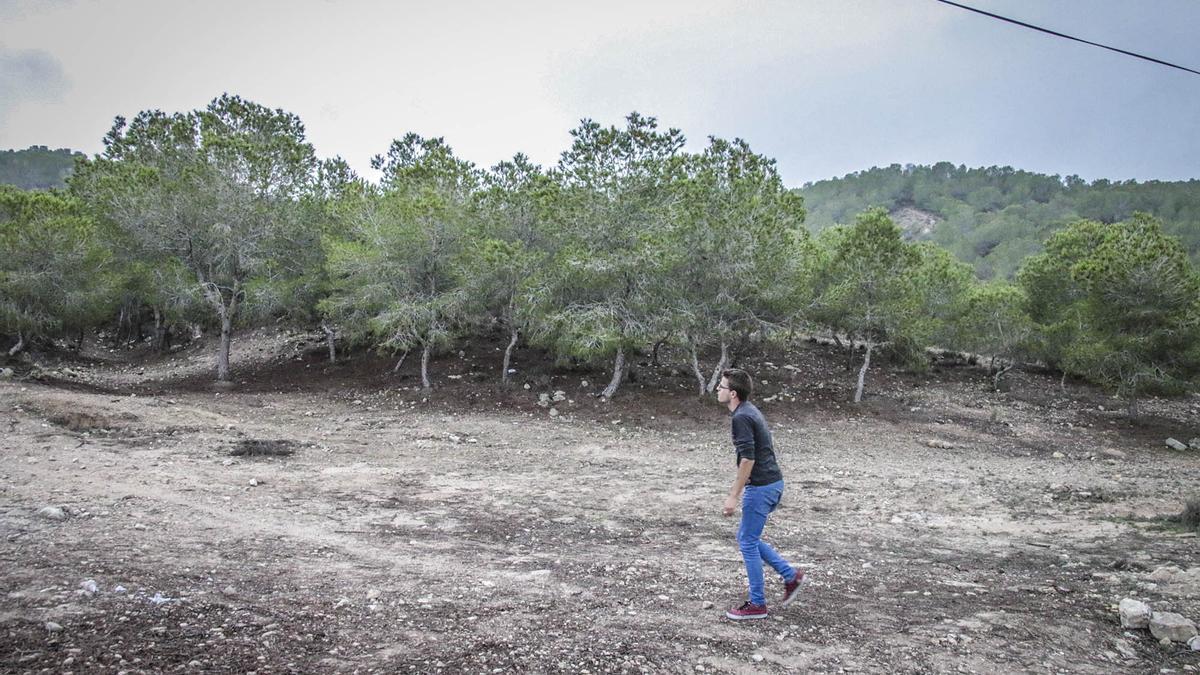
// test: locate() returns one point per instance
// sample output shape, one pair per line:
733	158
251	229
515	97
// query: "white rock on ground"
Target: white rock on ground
1176	445
1194	643
1194	443
1134	614
52	513
1171	626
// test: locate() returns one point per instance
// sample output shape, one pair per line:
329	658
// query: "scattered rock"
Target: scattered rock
254	482
544	399
1194	643
559	396
939	444
53	627
554	412
52	513
229	591
1194	443
1165	573
1124	648
263	447
1114	454
1176	445
6	373
583	384
1058	455
1171	626
89	587
708	604
1134	614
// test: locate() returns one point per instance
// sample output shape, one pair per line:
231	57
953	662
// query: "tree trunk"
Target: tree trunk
223	354
654	354
701	390
16	349
396	368
618	373
1062	382
330	339
160	331
79	341
849	352
118	338
425	351
992	365
721	365
999	374
512	343
862	372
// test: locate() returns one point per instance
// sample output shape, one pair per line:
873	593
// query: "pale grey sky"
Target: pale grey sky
824	86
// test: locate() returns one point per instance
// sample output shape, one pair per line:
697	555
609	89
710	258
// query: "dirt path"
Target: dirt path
443	536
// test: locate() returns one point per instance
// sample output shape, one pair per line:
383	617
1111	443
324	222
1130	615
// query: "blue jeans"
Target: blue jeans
758	501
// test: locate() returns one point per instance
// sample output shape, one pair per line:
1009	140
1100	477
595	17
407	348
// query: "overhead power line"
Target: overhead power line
1069	37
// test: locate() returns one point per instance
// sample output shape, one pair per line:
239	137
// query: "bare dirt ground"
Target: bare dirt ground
471	531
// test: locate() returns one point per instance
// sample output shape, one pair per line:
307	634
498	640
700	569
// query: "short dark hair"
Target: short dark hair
739	382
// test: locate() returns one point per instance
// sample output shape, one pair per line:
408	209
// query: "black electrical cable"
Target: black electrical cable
1069	37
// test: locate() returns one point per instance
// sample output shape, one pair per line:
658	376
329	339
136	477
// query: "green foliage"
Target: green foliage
36	167
867	289
994	322
217	191
602	293
994	217
397	280
55	274
1118	305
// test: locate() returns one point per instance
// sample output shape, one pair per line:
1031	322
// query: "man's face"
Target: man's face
723	391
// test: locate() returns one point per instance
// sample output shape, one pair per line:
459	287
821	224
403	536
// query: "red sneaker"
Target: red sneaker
748	610
791	589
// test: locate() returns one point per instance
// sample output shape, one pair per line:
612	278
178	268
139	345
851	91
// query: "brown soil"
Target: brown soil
468	530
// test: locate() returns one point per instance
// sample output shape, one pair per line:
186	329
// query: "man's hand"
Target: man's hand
730	506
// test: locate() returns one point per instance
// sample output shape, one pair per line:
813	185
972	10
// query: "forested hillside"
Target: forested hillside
36	167
994	217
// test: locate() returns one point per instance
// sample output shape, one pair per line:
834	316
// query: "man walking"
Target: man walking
759	483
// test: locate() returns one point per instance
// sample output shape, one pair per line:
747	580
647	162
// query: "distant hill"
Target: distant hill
36	167
994	217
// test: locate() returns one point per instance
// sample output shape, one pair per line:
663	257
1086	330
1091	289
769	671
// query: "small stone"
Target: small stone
1134	614
1171	626
583	384
1176	445
1058	455
559	396
757	657
52	513
53	627
527	387
1114	454
1194	643
88	586
253	482
229	591
707	604
1194	443
939	444
554	412
227	462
